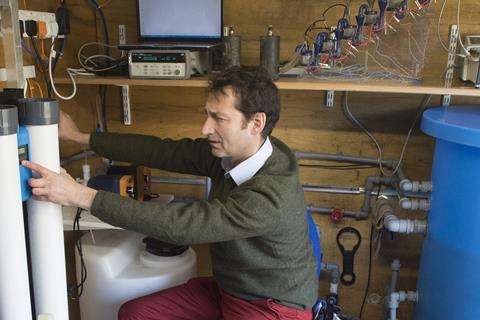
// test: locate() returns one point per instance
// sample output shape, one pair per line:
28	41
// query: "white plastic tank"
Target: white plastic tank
120	269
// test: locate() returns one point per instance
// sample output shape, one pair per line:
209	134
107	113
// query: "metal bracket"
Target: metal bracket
452	49
127	114
329	98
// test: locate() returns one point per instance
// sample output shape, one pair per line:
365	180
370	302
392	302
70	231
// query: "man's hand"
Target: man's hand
59	188
68	130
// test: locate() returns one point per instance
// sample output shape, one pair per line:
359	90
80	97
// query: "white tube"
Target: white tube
393	224
416	186
414	204
86	173
14	285
333	287
45	224
397	297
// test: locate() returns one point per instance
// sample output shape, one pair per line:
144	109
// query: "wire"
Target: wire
105	4
438	25
104	24
38	87
100	64
73	292
354	120
367	287
50	74
345	10
458	25
30	87
337	167
41	67
31	53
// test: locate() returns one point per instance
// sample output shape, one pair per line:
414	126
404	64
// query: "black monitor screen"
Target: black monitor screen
180	19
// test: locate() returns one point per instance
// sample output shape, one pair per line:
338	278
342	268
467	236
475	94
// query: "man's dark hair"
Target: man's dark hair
254	91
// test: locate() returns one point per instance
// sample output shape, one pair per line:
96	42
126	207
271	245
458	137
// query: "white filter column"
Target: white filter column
14	285
45	221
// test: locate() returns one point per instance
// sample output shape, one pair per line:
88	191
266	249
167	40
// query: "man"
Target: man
255	217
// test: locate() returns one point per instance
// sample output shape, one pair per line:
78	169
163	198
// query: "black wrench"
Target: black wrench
348	276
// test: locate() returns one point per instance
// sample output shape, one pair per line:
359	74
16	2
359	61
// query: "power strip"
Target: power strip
36	15
48	18
28	73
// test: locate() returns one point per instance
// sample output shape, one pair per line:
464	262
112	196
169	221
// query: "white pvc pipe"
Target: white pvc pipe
397	297
14	285
394	224
414	204
45	224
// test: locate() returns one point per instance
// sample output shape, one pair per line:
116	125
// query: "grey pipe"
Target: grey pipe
373	181
343	158
177	180
395	270
327	211
334	271
360	190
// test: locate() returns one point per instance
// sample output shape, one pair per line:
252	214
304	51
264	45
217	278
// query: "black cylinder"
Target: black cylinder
38	111
233	51
270	54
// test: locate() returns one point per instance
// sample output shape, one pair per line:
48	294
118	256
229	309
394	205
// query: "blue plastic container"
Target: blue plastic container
449	277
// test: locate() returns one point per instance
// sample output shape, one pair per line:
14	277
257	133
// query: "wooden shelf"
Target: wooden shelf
459	89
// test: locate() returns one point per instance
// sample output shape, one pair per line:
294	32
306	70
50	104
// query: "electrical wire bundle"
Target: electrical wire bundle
102	64
330	50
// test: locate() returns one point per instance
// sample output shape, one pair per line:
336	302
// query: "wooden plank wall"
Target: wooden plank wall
306	125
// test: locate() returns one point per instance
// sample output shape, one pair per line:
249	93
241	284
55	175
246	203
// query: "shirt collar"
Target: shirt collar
246	169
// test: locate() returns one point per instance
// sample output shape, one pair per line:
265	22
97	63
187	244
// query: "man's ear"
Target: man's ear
258	122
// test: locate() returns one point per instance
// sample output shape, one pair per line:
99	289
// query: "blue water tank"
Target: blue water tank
449	276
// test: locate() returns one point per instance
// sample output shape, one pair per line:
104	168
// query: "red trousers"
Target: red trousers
202	299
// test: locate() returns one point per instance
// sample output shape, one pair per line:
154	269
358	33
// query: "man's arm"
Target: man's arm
59	188
68	130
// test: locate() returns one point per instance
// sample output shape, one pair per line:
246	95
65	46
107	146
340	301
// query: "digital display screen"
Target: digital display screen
180	19
22	153
165	57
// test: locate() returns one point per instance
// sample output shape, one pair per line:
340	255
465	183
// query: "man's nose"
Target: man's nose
207	128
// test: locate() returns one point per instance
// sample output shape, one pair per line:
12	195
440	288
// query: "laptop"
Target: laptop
178	24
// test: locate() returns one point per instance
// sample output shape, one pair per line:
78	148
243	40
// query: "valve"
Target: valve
336	215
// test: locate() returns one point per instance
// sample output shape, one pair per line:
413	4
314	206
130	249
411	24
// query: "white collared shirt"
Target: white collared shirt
246	169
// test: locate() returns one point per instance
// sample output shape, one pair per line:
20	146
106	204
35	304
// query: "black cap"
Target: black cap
38	111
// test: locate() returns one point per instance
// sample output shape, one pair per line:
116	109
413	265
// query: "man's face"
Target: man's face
229	133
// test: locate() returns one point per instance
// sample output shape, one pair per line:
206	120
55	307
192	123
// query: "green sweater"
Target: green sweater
258	231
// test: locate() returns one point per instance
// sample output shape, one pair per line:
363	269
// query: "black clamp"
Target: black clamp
348	276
